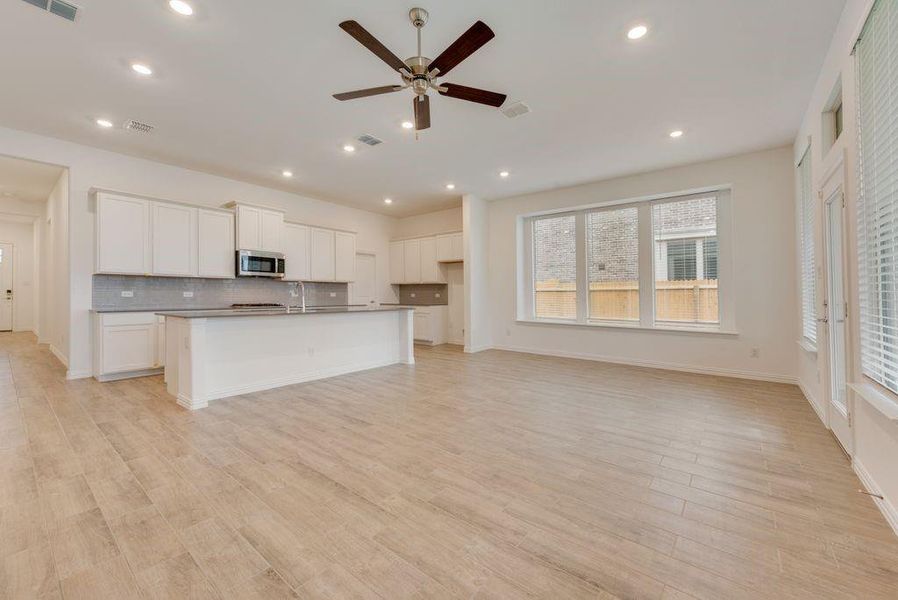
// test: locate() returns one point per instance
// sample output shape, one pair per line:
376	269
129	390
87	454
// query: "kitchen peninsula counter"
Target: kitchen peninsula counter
216	354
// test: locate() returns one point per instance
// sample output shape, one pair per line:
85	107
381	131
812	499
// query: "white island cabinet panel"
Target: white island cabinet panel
174	239
397	262
123	235
413	261
215	240
128	344
296	252
322	255
344	256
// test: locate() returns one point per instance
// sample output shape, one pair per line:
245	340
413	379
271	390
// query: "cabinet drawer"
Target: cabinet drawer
128	318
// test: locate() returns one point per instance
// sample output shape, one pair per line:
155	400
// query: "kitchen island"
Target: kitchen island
220	353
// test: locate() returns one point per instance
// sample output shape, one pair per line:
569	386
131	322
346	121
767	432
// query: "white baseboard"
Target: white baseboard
812	401
666	366
885	506
476	349
127	375
78	375
59	356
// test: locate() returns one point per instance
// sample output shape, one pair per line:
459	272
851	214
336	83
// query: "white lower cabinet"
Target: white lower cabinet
128	344
431	324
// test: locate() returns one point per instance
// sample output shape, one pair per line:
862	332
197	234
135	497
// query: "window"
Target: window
555	267
685	290
649	263
877	68
837	120
808	260
613	256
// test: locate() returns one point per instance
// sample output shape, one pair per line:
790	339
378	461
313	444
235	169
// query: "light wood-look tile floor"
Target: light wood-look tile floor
496	475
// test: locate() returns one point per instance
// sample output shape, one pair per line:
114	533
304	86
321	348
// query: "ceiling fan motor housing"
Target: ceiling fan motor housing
418	17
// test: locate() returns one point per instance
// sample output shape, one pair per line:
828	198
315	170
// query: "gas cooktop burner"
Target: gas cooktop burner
258	305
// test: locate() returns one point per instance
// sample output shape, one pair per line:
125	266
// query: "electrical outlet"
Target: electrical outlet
294	293
437	295
333	294
127	294
188	294
755	353
413	294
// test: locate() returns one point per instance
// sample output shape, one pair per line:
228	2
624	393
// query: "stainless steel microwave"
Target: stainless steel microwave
257	263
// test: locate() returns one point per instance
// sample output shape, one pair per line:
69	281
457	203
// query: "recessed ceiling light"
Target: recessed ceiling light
450	186
637	32
348	148
287	174
504	174
141	68
407	125
676	133
181	7
388	201
105	123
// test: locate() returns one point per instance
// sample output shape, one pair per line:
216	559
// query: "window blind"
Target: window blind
877	67
808	259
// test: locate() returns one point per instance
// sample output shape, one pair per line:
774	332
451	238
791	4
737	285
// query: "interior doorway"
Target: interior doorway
364	288
6	286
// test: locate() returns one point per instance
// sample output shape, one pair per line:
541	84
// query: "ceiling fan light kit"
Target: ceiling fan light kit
420	73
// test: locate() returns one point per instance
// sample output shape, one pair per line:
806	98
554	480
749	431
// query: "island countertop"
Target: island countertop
276	312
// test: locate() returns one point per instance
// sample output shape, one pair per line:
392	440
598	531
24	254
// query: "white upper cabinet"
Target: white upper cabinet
272	231
322	255
215	241
296	252
430	268
259	229
450	247
344	259
413	261
123	235
174	239
397	262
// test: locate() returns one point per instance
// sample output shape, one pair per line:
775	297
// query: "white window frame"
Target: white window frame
525	305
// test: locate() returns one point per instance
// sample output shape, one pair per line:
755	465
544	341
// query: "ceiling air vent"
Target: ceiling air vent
139	127
515	109
369	139
57	7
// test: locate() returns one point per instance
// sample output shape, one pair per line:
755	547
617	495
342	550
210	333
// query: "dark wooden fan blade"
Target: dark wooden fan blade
466	45
463	92
386	89
422	112
370	42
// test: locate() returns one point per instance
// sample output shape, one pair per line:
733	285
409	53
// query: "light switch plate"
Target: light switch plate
127	294
333	294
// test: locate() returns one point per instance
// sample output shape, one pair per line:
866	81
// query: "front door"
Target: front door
836	311
6	289
364	288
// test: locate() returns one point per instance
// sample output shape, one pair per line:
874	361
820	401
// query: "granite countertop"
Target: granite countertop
276	312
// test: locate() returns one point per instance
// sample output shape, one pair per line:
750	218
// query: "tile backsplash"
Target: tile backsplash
429	294
159	293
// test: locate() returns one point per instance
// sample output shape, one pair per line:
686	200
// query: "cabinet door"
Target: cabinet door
430	270
296	250
444	248
397	262
129	342
174	239
272	235
322	255
413	261
344	260
215	242
249	228
458	248
123	235
423	326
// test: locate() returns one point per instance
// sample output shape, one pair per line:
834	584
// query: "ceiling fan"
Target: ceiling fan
420	73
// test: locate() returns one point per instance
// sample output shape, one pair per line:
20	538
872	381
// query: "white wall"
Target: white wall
875	438
20	233
478	308
442	221
53	271
90	167
765	289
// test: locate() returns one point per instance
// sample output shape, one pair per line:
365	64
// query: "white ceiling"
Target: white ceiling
27	180
243	89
